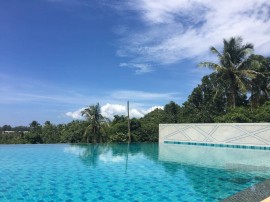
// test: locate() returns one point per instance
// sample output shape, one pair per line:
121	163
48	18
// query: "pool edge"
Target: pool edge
218	145
255	193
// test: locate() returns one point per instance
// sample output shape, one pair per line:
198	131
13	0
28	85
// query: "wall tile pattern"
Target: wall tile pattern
218	133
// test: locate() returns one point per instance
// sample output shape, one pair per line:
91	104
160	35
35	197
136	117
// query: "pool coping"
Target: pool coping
255	193
218	145
266	200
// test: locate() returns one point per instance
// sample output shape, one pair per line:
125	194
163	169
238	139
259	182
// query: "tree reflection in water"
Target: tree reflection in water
91	154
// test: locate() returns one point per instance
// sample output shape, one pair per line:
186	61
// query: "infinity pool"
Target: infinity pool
118	172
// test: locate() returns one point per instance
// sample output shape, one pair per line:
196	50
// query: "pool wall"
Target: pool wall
248	160
257	134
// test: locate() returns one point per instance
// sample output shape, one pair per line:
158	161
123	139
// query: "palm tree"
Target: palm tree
233	67
260	92
34	135
95	122
47	123
34	124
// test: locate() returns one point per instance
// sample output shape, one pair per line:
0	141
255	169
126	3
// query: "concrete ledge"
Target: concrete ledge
255	193
266	200
250	134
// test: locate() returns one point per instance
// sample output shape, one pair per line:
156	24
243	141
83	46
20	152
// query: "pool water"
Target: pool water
121	172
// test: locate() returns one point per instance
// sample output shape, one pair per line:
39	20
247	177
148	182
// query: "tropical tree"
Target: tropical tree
34	135
150	125
233	72
118	129
72	132
204	103
259	90
96	122
172	112
7	128
34	124
50	133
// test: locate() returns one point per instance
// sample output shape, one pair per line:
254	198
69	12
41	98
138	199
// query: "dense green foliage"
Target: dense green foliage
237	91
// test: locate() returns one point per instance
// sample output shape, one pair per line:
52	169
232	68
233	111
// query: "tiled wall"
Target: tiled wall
248	160
229	133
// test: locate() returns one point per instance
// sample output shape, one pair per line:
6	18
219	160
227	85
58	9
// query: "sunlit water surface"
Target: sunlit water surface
121	172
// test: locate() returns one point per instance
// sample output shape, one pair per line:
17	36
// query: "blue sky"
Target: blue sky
59	56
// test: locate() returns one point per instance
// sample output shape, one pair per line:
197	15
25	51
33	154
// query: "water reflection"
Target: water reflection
245	160
224	170
173	156
93	154
210	173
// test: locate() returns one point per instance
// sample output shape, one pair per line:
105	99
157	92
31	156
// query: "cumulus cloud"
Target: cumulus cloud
110	110
178	29
75	114
152	109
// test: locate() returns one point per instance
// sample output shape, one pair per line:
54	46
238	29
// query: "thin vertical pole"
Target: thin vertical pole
129	138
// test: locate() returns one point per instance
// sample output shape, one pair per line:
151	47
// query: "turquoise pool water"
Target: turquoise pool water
118	172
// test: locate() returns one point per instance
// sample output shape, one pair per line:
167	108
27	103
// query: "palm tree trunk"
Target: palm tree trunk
233	99
267	96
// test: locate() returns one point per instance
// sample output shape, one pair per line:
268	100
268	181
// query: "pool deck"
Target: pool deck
256	193
266	200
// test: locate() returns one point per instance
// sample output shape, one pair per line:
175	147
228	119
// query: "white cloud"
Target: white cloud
139	68
160	11
178	29
152	109
109	110
27	90
142	95
76	114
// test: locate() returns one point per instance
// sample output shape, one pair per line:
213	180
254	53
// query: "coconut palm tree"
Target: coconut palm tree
95	122
259	92
34	124
232	69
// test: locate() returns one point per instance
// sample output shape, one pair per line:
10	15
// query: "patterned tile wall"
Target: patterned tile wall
233	133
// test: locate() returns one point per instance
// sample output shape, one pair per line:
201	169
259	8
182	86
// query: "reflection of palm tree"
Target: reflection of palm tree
95	122
90	155
232	67
91	152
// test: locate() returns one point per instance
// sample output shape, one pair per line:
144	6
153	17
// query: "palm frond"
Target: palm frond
241	85
215	51
211	65
247	48
250	73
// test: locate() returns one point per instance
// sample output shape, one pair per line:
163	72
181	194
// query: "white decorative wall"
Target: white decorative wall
218	133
